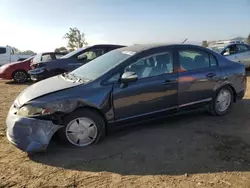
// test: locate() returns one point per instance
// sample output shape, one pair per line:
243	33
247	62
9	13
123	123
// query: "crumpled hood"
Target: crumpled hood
44	87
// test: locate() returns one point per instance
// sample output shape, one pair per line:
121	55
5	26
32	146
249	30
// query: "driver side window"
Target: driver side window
153	65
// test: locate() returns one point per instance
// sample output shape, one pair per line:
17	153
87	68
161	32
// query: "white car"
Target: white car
235	52
7	55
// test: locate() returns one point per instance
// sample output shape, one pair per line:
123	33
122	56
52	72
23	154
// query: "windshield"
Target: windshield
71	54
101	65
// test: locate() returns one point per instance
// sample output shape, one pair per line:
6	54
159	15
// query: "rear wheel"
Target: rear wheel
20	76
222	102
82	128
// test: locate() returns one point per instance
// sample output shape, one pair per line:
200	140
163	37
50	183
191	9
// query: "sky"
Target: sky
40	25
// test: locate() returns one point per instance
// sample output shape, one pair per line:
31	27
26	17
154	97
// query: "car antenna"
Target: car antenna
184	41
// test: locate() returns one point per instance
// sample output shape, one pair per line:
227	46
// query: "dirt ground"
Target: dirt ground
191	150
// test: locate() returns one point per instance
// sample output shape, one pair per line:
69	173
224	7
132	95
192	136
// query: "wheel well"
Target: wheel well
234	93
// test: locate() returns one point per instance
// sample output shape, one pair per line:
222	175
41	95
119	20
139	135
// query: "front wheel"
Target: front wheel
222	102
82	128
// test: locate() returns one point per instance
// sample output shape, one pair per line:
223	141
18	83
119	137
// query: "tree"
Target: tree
61	49
204	44
76	38
27	52
248	39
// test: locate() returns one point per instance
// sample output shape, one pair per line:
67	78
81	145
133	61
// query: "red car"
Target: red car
18	71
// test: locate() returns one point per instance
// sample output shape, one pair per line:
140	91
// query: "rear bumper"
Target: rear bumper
29	134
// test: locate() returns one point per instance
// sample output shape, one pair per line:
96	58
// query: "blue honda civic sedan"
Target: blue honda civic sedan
124	86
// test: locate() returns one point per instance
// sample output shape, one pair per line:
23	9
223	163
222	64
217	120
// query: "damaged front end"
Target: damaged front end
27	131
30	134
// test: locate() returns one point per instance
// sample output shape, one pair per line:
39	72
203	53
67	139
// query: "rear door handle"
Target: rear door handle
211	75
166	82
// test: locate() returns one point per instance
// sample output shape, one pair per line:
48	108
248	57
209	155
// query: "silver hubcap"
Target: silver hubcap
223	100
81	132
20	76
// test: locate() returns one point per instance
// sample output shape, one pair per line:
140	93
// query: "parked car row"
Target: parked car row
49	64
18	71
70	61
120	87
238	52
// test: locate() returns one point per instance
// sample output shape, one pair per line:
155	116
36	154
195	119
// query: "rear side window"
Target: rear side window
195	59
2	50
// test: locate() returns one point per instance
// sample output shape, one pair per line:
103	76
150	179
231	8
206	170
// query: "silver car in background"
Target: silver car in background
235	52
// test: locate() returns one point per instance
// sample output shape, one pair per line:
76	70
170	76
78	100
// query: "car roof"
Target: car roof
44	53
143	47
106	45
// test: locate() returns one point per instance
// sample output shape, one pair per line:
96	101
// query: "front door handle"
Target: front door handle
211	75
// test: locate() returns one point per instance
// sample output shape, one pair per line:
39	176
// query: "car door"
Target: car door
243	54
154	92
198	75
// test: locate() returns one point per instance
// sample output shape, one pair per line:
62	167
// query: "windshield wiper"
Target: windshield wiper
72	76
77	78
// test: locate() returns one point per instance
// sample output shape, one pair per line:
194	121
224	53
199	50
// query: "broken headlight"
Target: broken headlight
50	108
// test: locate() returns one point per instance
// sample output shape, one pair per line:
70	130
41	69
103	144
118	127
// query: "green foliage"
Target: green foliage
76	38
61	49
28	52
248	39
25	52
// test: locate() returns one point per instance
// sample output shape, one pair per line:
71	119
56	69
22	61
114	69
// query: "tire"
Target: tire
75	134
20	76
214	107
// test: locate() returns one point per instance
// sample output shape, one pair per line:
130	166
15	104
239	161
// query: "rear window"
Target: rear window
2	50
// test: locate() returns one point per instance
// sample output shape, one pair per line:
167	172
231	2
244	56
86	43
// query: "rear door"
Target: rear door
243	54
198	75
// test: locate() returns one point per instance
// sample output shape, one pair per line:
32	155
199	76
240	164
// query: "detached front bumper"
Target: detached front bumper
29	134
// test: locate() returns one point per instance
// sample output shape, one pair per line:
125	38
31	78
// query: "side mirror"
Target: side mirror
128	77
